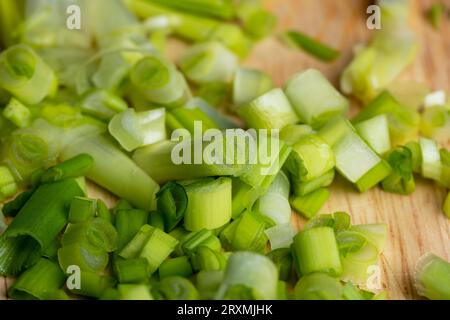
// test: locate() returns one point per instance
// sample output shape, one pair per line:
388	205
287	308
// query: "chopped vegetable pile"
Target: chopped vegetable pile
105	103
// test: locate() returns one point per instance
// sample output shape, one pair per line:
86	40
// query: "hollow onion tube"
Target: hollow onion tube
309	204
303	188
42	281
274	204
82	209
208	62
102	104
431	159
314	99
271	110
292	133
280	236
180	266
318	286
152	244
128	222
131	270
401	179
25	75
129	182
355	160
445	168
158	159
215	93
432	277
134	292
390	51
261	282
375	131
435	123
175	288
208	205
207	259
403	121
72	168
256	21
136	129
172	202
249	84
8	185
192	241
315	250
311	157
17	113
302	41
12	208
159	81
36	225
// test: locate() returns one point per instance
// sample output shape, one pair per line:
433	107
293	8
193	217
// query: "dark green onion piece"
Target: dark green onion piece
432	277
207	259
128	222
401	179
82	209
180	266
302	41
36	225
75	167
131	270
318	286
172	203
12	208
103	212
282	258
207	283
156	219
93	285
176	288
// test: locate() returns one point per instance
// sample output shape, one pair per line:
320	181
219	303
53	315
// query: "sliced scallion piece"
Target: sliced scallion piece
435	123
8	185
180	266
282	258
249	84
431	159
75	167
280	236
401	179
375	132
82	209
303	188
318	286
128	223
292	133
172	202
207	259
176	288
302	41
446	207
134	292
131	270
17	113
314	98
257	21
309	204
102	104
432	277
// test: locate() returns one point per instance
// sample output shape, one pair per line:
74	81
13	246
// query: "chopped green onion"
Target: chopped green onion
356	264
249	84
374	176
221	120
214	93
310	159
319	50
292	133
17	113
159	81
11	16
12	208
136	129
128	223
257	22
303	188
8	185
401	179
282	258
187	118
271	110
192	241
376	234
102	104
42	281
316	250
207	259
416	153
446	207
208	282
134	292
432	277
129	182
318	286
93	285
75	167
431	159
180	266
309	204
150	243
216	8
82	209
280	236
314	99
375	131
25	75
172	202
208	205
131	270
435	13
208	62
176	288
261	282
83	255
435	123
103	212
36	226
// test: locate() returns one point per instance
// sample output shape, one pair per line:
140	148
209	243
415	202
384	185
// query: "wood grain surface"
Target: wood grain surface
416	223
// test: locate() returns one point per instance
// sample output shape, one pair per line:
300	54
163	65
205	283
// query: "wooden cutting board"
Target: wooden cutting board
416	223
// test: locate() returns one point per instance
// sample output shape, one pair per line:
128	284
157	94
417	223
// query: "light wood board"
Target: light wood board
416	223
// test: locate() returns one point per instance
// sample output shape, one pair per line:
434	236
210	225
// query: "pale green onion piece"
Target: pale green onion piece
310	158
209	204
357	265
17	113
102	104
309	204
222	9
314	99
130	182
302	41
25	75
375	132
280	236
261	281
374	233
136	129
431	159
159	81
432	277
303	188
249	84
215	93
208	62
223	121
134	292
8	185
11	16
271	110
315	250
188	117
435	123
375	175
257	21
401	179
292	133
318	286
232	37
446	207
